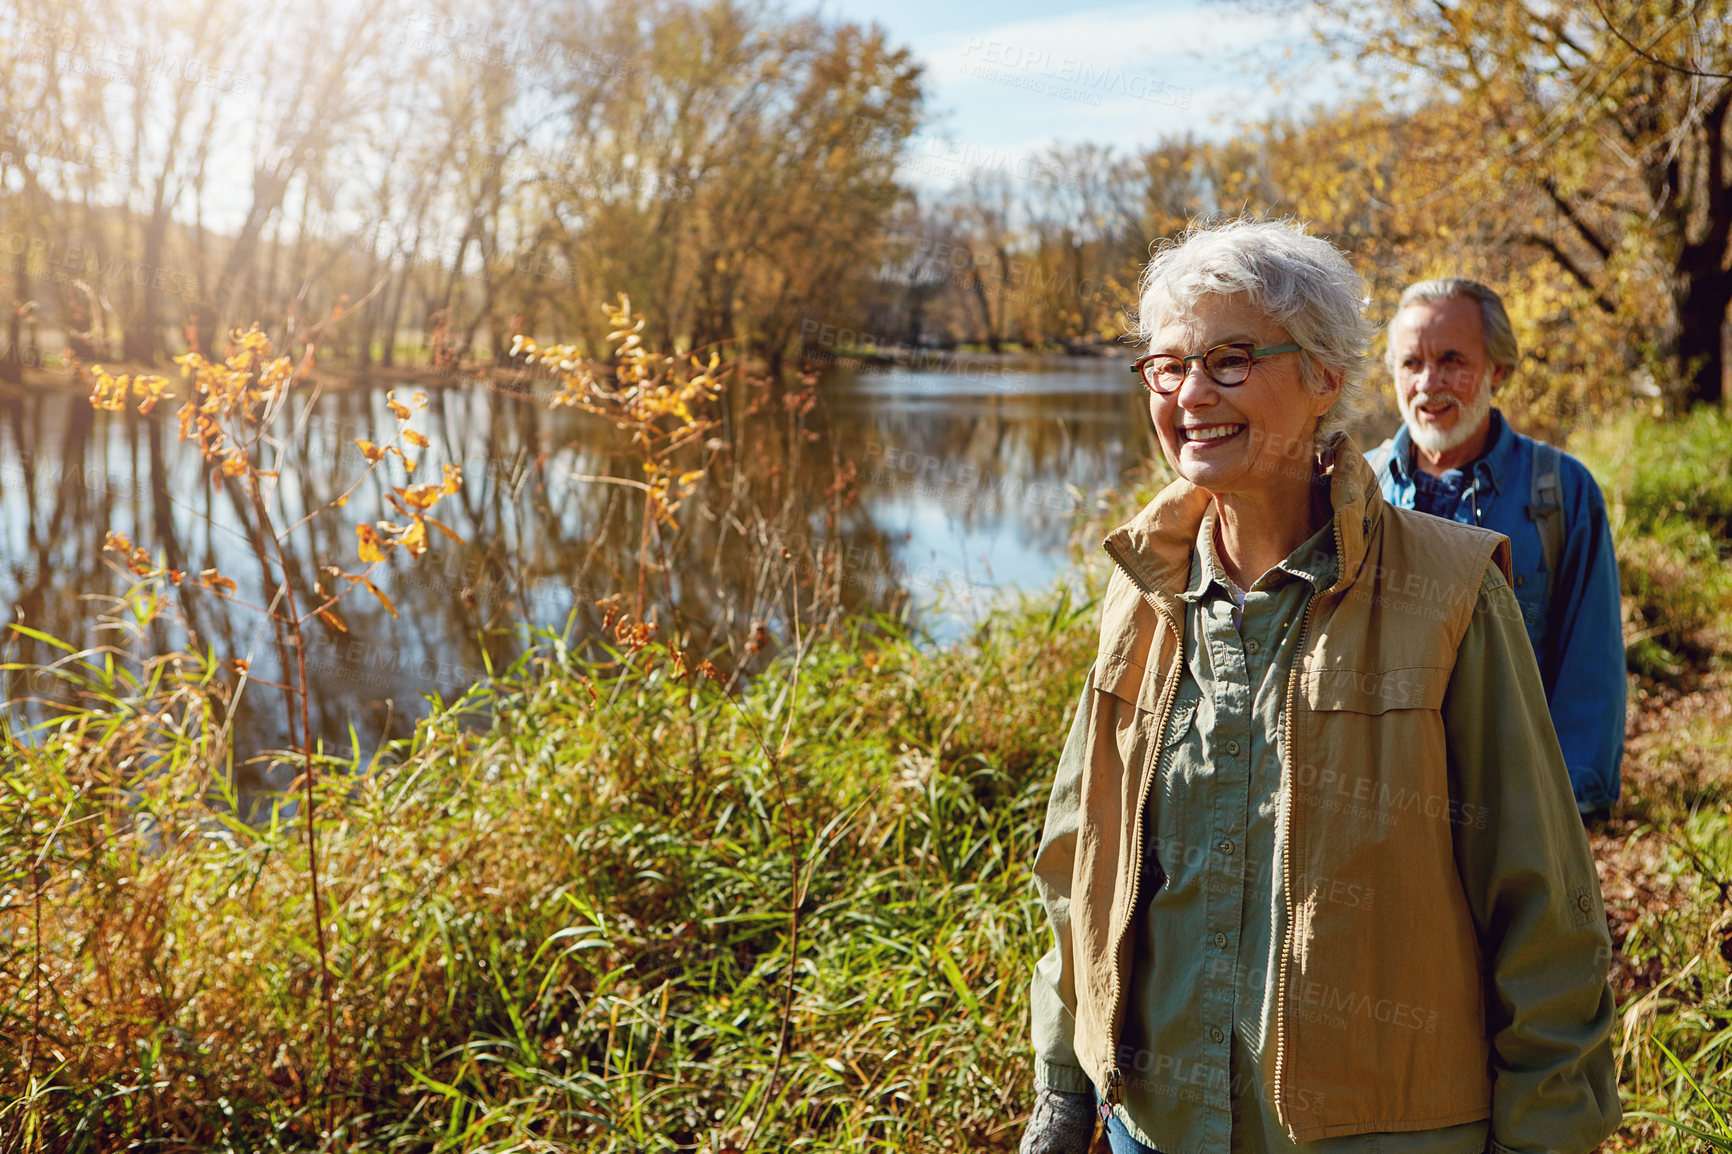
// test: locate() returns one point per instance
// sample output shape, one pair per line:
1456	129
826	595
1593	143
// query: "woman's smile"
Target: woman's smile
1206	436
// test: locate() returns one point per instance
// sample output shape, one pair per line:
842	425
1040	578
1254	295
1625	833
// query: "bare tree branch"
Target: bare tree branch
1647	54
1568	264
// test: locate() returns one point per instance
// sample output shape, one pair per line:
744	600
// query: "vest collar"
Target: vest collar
1155	546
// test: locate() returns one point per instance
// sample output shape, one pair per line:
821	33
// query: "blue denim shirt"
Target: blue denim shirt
1578	632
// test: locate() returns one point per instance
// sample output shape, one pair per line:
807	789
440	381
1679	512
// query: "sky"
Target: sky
1006	78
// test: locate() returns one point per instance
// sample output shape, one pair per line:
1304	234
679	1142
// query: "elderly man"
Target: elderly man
1315	879
1450	346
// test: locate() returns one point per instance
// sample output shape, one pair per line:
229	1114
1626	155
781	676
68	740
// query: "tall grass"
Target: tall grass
558	922
602	902
1667	865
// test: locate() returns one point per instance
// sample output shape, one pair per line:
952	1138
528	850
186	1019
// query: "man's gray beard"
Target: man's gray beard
1467	423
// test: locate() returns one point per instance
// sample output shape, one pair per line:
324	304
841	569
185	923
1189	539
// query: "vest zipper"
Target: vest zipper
1291	770
1110	1096
1112	1091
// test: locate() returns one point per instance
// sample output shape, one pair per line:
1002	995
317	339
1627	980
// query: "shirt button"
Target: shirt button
1252	645
1225	845
1232	749
1221	940
1215	1035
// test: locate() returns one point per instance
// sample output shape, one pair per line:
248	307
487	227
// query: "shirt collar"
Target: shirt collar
1314	561
1208	577
1491	466
1156	548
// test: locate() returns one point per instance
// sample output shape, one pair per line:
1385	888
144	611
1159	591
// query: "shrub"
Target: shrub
1669	493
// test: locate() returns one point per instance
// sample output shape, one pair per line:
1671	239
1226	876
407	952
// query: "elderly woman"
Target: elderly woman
1312	865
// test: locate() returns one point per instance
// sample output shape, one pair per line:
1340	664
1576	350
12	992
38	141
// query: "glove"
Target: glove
1061	1123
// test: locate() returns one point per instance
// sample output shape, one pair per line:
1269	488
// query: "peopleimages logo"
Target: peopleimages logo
1038	84
1333	1006
1085	78
18	145
1374	800
87	53
71	264
959	160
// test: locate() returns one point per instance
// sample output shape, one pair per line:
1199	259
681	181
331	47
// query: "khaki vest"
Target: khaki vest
1379	1019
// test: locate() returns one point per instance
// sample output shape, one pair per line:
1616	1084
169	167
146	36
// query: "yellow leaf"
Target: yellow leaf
415	438
383	600
149	389
420	498
688	478
443	528
369	543
110	392
414	538
211	579
369	450
333	621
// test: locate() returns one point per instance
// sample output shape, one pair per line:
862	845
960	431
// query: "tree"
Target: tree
1085	212
313	76
1612	115
176	102
730	168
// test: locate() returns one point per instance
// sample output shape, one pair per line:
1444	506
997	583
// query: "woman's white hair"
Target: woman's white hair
1300	282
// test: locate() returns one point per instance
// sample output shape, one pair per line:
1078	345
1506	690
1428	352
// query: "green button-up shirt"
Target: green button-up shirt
1197	1020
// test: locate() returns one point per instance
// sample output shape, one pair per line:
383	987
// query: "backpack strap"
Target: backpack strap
1546	509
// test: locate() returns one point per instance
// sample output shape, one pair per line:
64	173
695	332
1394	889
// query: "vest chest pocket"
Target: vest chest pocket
1376	691
1370	757
1128	681
1131	697
1133	685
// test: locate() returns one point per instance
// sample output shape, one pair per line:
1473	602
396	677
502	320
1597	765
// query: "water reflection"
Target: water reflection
980	475
923	490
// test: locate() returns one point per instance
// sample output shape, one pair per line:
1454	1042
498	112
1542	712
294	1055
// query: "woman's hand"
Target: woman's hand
1061	1123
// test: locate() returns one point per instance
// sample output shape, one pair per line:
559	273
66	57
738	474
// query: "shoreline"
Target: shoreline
37	379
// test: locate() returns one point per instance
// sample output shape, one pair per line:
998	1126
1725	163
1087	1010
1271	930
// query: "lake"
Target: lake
920	492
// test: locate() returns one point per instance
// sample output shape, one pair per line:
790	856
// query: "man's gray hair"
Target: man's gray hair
1501	346
1300	282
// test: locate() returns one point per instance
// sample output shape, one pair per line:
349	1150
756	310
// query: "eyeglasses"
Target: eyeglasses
1227	365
